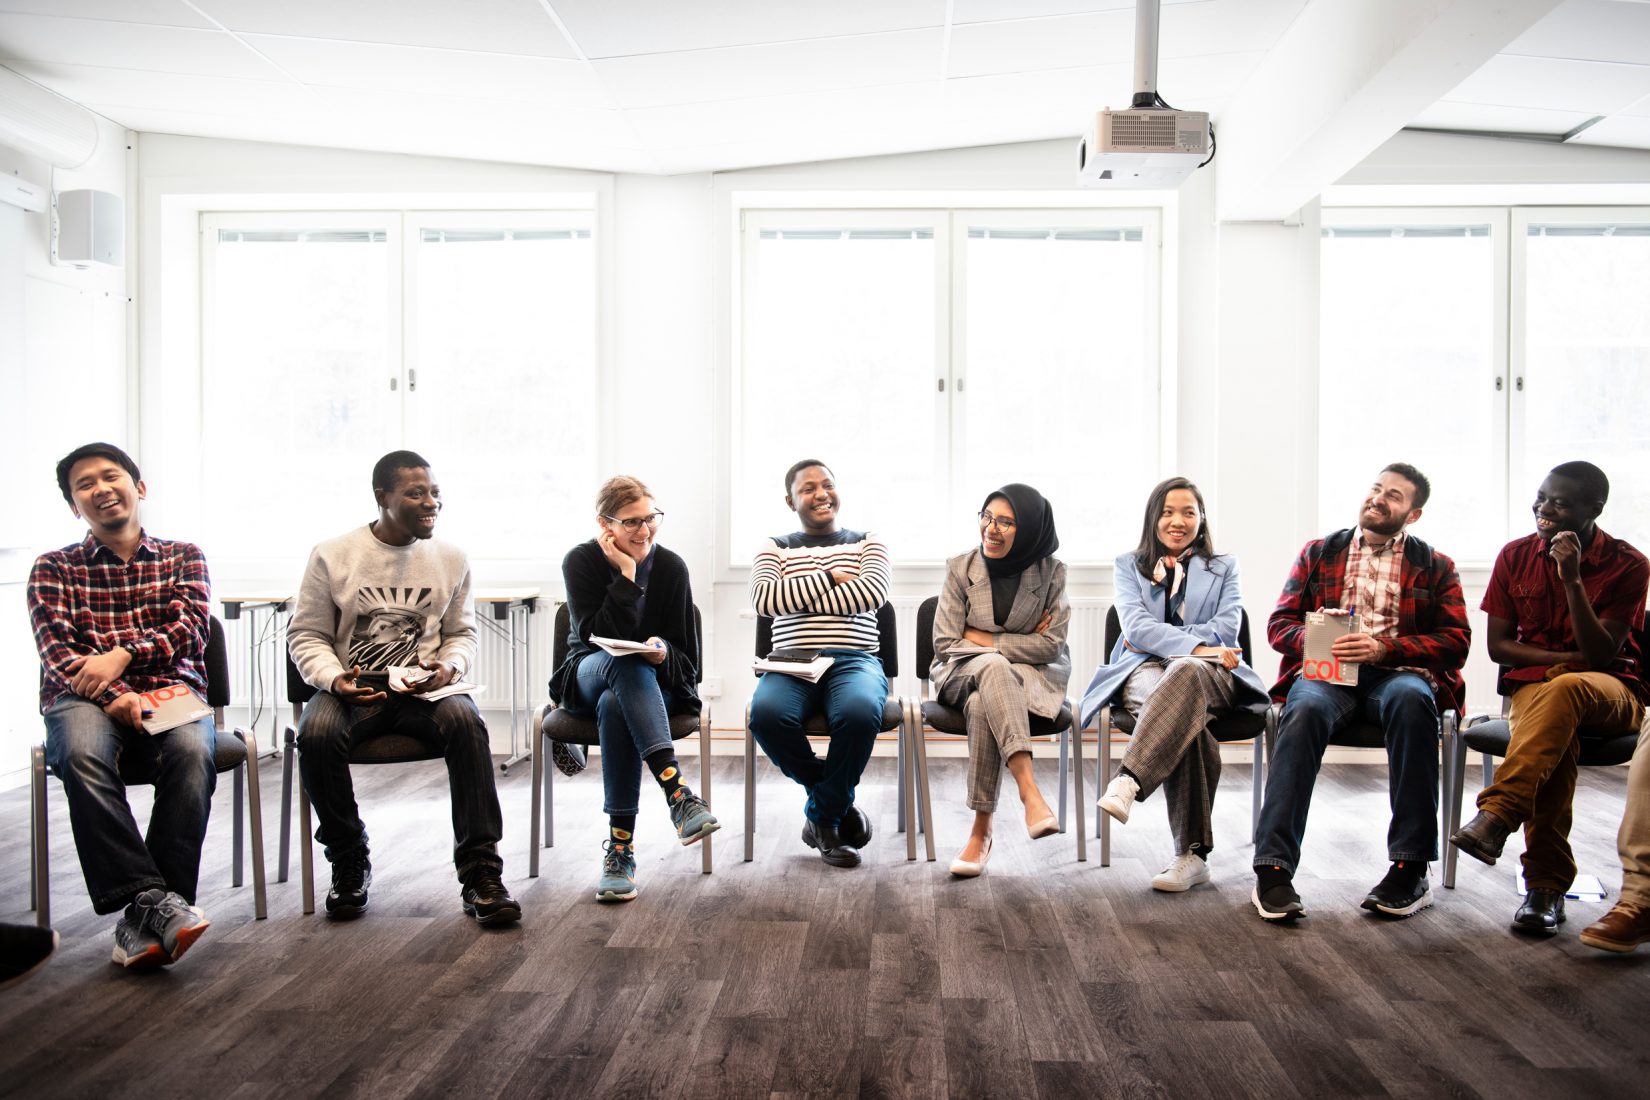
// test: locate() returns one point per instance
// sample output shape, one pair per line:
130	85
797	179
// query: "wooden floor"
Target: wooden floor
1047	977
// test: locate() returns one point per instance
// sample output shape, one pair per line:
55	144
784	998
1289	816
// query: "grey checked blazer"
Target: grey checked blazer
1041	661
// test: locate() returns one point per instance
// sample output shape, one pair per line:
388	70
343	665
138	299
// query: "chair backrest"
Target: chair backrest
925	636
217	667
1114	630
561	638
297	691
887	639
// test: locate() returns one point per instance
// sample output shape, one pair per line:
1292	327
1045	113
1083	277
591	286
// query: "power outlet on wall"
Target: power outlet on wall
711	687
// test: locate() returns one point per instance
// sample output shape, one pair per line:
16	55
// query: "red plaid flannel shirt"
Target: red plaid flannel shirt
84	600
1432	614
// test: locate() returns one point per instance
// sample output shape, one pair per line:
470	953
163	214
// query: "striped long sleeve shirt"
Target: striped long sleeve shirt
791	583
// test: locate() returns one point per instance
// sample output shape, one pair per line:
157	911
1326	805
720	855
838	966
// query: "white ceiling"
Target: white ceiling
695	85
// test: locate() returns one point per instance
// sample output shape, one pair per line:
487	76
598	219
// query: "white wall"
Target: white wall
63	371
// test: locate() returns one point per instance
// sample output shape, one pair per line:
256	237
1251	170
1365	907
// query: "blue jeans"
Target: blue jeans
1403	706
632	712
851	694
330	728
95	758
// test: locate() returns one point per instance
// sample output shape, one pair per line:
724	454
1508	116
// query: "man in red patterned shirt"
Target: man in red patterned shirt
1410	648
1564	605
115	615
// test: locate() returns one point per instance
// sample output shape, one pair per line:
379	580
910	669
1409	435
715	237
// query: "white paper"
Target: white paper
1584	888
402	679
622	647
810	672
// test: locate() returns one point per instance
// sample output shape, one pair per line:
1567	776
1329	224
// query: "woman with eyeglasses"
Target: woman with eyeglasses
1175	668
1000	656
621	585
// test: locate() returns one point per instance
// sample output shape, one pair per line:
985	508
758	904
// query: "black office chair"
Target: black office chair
1491	736
391	748
928	712
1239	725
893	711
555	724
237	751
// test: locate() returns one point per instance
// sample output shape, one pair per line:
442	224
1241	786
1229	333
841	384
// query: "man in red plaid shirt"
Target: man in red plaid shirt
1412	642
115	615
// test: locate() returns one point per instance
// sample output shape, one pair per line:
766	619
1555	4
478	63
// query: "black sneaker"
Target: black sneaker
24	948
486	899
351	876
1274	896
1403	891
855	828
832	848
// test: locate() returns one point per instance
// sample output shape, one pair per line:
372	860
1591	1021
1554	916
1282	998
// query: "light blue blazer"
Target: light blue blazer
1212	613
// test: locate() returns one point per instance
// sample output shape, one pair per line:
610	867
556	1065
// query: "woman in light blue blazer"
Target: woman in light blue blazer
1176	668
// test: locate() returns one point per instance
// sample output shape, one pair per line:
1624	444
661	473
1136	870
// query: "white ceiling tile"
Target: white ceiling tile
1590	30
1502	120
452	114
48	40
332	63
166	91
1639	109
748	72
1107	38
1599	88
608	28
164	13
864	111
986	11
500	26
1626	131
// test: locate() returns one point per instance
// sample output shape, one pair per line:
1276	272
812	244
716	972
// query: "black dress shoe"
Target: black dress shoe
1542	911
855	828
832	848
351	878
1482	837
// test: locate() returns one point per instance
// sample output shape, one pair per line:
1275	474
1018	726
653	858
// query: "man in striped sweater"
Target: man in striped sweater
822	587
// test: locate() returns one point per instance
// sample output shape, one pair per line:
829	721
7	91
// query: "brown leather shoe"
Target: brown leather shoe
1623	928
1483	837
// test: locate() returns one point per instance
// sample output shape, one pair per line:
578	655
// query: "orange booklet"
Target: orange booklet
170	707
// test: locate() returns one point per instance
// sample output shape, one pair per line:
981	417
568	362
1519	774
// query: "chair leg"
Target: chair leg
1458	775
255	818
306	857
550	807
535	734
1102	819
287	764
750	789
705	763
1077	784
1065	766
1489	769
924	809
238	859
42	856
911	727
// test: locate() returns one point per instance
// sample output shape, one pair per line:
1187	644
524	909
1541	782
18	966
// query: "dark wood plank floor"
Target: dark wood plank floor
783	977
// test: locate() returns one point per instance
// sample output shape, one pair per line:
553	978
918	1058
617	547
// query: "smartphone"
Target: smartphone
794	656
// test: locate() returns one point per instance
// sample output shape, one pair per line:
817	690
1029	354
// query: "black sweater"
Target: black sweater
603	602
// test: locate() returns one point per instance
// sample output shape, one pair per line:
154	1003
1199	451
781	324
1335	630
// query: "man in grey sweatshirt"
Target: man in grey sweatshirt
386	596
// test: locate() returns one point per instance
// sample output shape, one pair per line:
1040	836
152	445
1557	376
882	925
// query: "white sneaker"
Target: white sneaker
1185	872
1120	795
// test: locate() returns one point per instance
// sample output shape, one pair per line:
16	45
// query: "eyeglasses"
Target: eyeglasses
634	523
1004	524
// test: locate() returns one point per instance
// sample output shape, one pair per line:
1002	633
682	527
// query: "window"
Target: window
1499	343
329	339
932	355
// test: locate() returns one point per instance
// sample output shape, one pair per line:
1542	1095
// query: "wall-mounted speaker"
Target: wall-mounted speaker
86	228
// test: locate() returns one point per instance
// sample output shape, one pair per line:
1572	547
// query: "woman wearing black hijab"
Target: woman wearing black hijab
1000	655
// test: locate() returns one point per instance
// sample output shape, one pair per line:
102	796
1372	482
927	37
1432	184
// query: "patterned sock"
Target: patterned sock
669	773
622	828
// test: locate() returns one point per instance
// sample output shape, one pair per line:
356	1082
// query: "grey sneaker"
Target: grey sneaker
618	881
136	947
692	817
175	922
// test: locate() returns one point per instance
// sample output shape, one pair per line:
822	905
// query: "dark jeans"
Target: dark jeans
95	758
330	728
851	694
1400	703
632	718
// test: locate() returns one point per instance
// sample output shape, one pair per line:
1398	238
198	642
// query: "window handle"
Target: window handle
1519	384
412	379
393	383
940	382
1498	383
960	382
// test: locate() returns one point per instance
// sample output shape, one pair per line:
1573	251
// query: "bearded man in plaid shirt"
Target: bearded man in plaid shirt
1410	650
115	615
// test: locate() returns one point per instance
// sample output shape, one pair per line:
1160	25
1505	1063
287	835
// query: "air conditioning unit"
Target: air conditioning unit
1142	148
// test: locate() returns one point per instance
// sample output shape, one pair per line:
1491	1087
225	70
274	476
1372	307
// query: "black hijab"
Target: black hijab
1034	535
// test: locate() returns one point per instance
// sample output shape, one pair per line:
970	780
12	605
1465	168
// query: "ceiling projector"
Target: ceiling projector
1150	144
